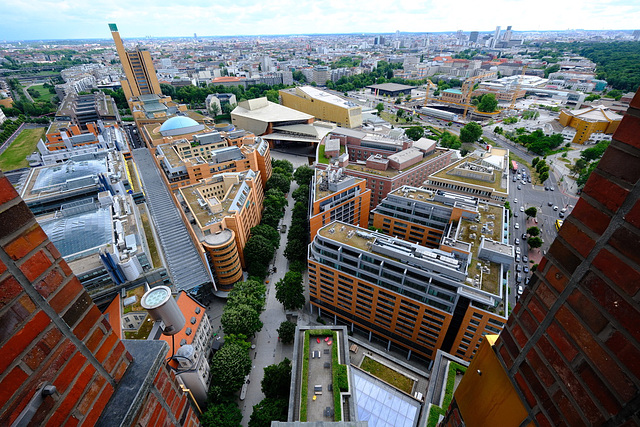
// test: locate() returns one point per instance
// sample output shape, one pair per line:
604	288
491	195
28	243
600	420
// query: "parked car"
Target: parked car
525	258
283	229
516	226
517	241
555	208
525	269
521	208
517	257
551	188
518	267
520	290
524	236
518	251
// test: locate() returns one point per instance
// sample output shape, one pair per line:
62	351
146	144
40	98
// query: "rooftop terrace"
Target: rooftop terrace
391	172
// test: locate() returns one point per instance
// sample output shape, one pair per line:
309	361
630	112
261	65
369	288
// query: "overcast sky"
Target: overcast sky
74	19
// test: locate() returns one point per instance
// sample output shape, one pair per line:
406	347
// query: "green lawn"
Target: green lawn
15	156
387	374
151	242
45	95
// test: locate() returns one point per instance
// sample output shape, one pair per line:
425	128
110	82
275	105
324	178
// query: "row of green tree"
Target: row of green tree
298	235
542	168
9	127
265	239
587	162
536	142
197	95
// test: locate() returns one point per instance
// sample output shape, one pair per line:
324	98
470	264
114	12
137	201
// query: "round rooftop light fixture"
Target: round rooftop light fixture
155	297
162	306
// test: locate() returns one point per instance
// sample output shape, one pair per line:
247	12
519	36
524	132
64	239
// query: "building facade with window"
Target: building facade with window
220	212
337	197
414	298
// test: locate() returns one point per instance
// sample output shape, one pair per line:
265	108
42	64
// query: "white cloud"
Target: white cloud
36	19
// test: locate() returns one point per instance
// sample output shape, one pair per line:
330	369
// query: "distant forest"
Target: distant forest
617	62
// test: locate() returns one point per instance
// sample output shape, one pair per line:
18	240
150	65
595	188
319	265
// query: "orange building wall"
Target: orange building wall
486	396
425	236
362	208
476	322
366	304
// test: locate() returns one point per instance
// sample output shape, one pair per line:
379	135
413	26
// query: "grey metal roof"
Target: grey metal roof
185	265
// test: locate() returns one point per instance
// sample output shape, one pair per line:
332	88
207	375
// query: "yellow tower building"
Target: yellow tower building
138	68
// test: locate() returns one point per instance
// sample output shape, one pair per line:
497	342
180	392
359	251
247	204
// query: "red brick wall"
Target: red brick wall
572	344
50	330
46	320
166	405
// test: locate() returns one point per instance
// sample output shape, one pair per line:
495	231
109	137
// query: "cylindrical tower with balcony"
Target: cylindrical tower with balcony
223	257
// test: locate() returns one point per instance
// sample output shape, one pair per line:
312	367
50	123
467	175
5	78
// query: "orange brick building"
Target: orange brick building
51	332
570	350
222	210
337	197
414	299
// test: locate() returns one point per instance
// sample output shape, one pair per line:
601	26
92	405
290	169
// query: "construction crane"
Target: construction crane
467	90
517	89
429	84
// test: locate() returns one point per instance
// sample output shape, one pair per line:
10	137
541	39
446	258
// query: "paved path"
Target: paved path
268	350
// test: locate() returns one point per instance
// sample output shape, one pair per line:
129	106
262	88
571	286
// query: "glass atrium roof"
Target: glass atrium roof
70	174
80	234
382	405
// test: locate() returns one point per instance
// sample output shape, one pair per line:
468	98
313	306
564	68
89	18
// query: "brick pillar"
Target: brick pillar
50	330
572	344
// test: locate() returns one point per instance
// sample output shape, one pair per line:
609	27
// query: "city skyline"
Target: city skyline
72	19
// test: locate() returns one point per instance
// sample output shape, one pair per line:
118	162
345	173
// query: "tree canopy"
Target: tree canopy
414	132
533	231
251	293
488	103
268	410
240	319
534	242
286	332
225	414
303	175
470	132
258	253
280	182
290	291
268	232
531	212
229	366
277	380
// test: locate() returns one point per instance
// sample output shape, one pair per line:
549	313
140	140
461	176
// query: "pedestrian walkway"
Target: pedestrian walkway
184	263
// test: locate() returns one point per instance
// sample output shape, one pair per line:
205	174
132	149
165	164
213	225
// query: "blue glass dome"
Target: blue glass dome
178	122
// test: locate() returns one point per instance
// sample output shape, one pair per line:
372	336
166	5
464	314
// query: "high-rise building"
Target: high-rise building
138	68
569	353
60	361
496	36
222	210
473	36
445	295
507	34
